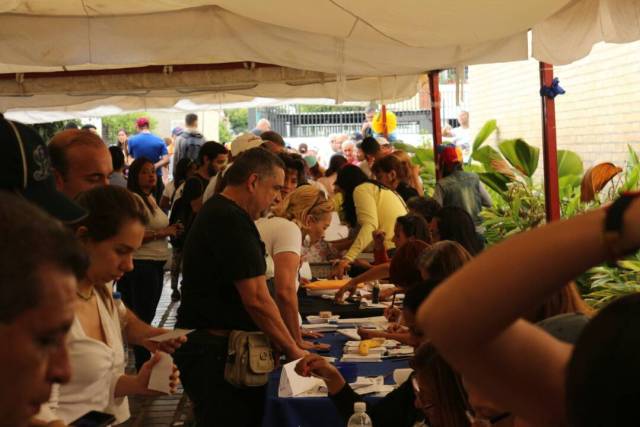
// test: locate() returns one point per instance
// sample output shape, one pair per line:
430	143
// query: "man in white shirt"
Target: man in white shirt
462	137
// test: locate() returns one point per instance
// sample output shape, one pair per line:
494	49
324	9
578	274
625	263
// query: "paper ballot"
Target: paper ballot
292	384
160	373
176	333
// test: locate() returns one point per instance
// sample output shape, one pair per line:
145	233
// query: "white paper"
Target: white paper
401	375
322	327
350	333
176	333
292	384
358	358
161	373
363	320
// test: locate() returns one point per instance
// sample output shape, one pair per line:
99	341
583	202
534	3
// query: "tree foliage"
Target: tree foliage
111	125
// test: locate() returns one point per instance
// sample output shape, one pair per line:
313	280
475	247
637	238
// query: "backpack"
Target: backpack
190	145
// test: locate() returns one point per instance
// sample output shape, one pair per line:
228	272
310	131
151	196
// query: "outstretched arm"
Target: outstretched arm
513	362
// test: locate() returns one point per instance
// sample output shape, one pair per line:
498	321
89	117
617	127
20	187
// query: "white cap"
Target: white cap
359	407
244	142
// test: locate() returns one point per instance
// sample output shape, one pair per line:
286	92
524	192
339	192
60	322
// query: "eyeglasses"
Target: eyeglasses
485	422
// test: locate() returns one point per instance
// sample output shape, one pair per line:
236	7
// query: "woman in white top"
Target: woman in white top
304	213
142	287
111	232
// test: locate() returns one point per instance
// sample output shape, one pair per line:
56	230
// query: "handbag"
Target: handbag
249	359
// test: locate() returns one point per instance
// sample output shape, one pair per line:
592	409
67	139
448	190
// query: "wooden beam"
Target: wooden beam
436	122
549	147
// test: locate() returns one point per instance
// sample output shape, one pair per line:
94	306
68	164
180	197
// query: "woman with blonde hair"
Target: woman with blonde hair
303	214
411	171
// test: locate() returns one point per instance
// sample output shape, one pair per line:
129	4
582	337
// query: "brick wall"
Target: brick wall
597	117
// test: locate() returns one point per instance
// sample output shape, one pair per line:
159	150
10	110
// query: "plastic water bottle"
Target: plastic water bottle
122	315
359	417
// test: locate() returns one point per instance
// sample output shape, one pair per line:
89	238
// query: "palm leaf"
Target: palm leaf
487	129
595	179
569	163
520	155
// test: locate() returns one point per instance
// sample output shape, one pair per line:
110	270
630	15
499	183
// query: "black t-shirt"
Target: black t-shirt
193	188
406	191
223	247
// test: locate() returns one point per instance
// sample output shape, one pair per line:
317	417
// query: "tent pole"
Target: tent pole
385	132
434	93
549	147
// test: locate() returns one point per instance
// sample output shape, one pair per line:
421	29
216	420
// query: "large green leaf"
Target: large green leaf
487	129
486	155
520	155
424	155
496	181
569	163
404	147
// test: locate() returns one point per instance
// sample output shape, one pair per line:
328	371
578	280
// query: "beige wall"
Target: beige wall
597	117
208	122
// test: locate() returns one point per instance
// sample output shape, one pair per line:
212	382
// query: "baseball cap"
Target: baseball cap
243	142
142	121
26	168
311	160
449	155
176	131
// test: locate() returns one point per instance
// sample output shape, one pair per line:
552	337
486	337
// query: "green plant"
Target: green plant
604	283
112	124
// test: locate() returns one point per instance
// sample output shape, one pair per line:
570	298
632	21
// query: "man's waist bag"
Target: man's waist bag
249	359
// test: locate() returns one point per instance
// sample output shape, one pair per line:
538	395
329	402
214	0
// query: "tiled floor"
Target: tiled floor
166	410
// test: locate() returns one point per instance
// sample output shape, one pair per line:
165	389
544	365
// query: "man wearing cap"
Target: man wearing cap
146	144
459	188
243	142
26	170
80	161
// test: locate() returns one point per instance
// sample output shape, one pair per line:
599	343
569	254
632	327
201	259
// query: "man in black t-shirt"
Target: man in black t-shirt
225	289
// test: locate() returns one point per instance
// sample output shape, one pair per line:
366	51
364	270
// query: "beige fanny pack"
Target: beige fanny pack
249	359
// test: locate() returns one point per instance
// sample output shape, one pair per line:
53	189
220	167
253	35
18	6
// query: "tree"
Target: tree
224	135
111	125
238	120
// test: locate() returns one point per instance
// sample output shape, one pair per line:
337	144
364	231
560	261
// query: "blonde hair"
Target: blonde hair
408	168
306	201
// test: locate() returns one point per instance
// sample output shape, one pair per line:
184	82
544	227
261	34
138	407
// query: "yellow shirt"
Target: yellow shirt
377	208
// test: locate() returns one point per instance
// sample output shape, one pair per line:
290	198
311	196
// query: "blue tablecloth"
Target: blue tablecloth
319	411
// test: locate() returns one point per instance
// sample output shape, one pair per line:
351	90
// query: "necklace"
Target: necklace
85	297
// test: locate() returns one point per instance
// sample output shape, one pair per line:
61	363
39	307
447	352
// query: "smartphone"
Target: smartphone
94	419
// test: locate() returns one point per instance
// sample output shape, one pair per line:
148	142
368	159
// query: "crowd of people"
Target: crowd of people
501	335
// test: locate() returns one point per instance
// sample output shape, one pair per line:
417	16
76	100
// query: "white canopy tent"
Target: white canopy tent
77	55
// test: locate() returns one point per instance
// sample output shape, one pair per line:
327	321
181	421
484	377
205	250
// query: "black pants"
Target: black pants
201	363
141	289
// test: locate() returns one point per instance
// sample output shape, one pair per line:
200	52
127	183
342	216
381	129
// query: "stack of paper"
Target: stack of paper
320	327
371	357
292	384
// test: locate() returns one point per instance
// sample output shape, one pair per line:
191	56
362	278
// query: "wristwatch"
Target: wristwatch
613	227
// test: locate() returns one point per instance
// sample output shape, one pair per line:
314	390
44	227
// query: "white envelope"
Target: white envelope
292	384
176	333
160	373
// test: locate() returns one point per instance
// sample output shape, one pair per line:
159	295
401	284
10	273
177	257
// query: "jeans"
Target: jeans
201	362
141	289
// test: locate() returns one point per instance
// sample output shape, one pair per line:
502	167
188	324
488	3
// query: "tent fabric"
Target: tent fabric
153	90
570	34
358	50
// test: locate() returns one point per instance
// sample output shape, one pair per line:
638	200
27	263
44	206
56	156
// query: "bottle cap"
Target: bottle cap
359	407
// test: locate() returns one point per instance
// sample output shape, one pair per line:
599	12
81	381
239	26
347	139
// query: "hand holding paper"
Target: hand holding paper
164	376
